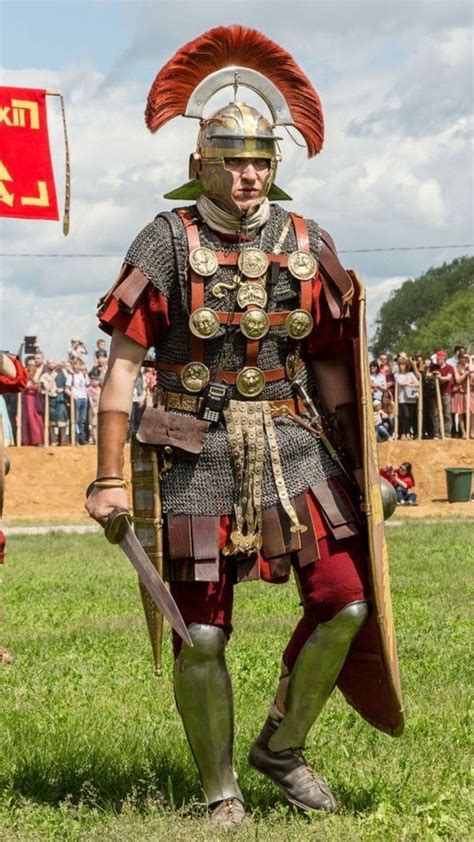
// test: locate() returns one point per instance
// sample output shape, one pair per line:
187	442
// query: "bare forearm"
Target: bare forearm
126	357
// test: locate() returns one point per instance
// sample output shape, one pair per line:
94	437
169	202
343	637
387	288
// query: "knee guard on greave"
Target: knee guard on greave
315	673
204	699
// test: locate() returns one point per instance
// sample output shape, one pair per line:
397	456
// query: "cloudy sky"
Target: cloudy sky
395	80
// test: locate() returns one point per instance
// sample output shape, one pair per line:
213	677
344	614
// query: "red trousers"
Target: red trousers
336	579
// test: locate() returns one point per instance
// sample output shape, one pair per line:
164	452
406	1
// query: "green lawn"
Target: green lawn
91	746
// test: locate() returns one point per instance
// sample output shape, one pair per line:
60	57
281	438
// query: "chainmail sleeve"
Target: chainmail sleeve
153	252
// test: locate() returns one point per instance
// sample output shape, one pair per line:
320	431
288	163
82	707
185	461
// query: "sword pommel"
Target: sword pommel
116	525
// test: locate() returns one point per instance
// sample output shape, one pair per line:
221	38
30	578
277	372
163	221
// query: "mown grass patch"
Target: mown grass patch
92	747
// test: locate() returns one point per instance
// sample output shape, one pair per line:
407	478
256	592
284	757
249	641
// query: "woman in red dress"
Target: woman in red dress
32	423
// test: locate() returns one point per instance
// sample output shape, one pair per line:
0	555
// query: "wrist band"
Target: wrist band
105	484
101	479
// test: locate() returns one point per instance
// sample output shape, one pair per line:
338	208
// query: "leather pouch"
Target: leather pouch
185	434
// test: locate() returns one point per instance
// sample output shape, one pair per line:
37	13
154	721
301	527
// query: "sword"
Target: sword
119	531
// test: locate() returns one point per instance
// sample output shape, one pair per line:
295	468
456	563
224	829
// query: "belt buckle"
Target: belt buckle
280	411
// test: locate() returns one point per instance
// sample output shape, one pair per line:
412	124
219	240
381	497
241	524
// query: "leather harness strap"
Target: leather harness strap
333	271
270	375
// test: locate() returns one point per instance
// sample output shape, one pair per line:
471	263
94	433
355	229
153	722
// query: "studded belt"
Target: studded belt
192	403
270	375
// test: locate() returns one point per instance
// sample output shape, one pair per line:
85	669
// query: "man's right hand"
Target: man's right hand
102	501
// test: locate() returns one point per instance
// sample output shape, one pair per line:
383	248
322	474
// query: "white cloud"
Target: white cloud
396	168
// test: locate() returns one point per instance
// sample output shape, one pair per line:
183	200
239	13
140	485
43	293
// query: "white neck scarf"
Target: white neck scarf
229	223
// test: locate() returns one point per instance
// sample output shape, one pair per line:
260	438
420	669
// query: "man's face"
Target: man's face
249	176
38	360
383	359
51	365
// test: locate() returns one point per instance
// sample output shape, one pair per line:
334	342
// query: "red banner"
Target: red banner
26	174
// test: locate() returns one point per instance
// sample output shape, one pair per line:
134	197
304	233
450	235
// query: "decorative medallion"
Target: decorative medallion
253	263
203	261
250	381
204	323
302	265
299	324
195	376
292	365
255	324
251	294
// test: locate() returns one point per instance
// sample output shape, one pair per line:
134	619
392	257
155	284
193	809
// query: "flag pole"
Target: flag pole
67	189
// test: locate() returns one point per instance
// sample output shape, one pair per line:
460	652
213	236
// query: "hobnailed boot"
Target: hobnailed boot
203	695
278	750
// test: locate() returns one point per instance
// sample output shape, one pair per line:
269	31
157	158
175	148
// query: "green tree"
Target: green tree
409	308
452	325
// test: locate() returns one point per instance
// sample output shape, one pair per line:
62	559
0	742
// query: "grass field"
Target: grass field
91	746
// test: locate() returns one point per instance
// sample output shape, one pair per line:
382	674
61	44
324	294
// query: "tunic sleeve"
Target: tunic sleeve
150	256
148	322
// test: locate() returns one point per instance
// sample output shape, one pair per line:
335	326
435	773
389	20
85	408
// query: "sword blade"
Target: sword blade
153	582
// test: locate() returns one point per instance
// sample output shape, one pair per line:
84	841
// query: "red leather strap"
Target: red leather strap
276	318
270	376
301	231
335	273
302	240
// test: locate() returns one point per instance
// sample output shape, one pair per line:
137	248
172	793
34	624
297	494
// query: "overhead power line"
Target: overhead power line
340	251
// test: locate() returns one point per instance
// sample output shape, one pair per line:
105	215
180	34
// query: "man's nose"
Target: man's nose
250	173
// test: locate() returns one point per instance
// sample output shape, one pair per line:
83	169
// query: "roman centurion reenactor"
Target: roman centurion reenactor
261	433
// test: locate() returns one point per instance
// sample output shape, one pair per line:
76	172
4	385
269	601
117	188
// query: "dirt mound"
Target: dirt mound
48	484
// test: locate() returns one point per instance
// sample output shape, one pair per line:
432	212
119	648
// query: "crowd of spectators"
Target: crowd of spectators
413	397
428	397
60	402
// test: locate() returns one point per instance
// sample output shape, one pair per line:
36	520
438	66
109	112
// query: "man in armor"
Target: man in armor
258	485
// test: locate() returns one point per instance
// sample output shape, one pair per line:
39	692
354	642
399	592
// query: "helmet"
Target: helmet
234	56
235	131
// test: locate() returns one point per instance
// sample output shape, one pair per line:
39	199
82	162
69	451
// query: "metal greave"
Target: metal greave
203	694
315	673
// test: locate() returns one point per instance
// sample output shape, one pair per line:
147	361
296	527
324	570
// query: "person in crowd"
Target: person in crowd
138	402
93	396
99	369
429	398
378	381
8	439
149	385
76	387
385	367
403	481
40	365
408	392
32	408
444	374
383	423
459	395
101	349
13	379
76	350
458	353
53	384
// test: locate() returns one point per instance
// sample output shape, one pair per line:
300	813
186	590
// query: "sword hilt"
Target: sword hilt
115	525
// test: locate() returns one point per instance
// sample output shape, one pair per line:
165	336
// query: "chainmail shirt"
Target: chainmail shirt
208	487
